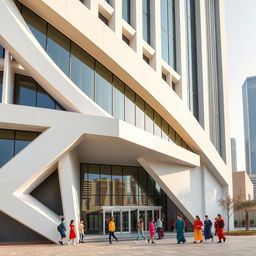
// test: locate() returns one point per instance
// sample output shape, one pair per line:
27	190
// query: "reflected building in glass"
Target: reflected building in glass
111	109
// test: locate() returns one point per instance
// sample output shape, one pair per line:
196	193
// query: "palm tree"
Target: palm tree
246	206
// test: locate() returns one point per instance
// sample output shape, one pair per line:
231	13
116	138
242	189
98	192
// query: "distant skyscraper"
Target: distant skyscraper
233	155
249	106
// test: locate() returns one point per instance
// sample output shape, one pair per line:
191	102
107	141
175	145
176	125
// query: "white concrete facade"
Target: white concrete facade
194	181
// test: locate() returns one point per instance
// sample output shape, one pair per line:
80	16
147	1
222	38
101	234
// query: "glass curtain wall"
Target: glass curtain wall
126	11
12	142
168	31
111	185
146	20
192	58
29	93
95	80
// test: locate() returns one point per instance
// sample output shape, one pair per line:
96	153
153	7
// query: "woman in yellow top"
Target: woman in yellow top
112	229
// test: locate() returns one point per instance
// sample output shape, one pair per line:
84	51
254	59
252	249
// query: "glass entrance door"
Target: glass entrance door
117	217
125	221
126	218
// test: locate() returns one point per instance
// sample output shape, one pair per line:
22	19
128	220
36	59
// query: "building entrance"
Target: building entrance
126	218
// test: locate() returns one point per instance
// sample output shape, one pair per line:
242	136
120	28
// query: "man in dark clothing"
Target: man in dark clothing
62	230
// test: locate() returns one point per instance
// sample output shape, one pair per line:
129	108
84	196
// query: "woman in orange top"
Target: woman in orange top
112	229
198	230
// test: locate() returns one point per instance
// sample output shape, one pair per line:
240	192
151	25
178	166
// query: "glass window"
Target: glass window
94	178
118	97
168	31
104	87
6	146
149	117
1	85
164	47
129	105
82	70
146	20
105	180
126	10
164	16
58	47
1	51
157	124
165	131
172	134
25	88
36	24
178	140
143	181
22	139
130	181
117	180
140	115
44	100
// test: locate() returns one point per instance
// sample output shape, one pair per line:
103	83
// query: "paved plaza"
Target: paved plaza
234	246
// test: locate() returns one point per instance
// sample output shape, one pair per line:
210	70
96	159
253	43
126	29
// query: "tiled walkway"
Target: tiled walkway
234	246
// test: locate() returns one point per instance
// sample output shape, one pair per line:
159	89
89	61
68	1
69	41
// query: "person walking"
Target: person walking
208	228
198	230
179	226
112	229
152	230
72	232
140	228
62	230
220	229
172	225
159	226
81	231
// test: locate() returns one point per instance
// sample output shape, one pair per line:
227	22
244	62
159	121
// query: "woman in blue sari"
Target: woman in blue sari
179	226
208	229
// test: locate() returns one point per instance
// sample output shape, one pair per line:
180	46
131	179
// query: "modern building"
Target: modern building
249	105
233	155
111	108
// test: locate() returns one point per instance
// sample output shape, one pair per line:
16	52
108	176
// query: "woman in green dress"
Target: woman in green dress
179	226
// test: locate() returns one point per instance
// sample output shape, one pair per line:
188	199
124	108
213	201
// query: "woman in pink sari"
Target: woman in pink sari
152	230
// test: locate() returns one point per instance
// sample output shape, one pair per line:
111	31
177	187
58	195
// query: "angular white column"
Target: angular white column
118	18
69	178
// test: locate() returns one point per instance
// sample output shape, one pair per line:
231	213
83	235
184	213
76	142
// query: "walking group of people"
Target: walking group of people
155	226
198	228
62	229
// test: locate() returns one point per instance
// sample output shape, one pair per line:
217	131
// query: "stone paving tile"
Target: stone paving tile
234	246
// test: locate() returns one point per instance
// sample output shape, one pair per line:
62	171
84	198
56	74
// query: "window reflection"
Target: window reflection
58	48
118	98
12	142
103	87
129	106
82	70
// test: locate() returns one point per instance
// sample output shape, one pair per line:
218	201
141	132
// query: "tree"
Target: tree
228	204
246	206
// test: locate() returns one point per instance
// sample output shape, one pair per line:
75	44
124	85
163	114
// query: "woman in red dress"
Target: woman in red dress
220	229
72	232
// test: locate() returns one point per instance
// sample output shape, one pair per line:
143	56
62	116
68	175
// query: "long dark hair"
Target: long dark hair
71	222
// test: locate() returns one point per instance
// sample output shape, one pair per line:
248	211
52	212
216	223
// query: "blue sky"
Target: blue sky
240	17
